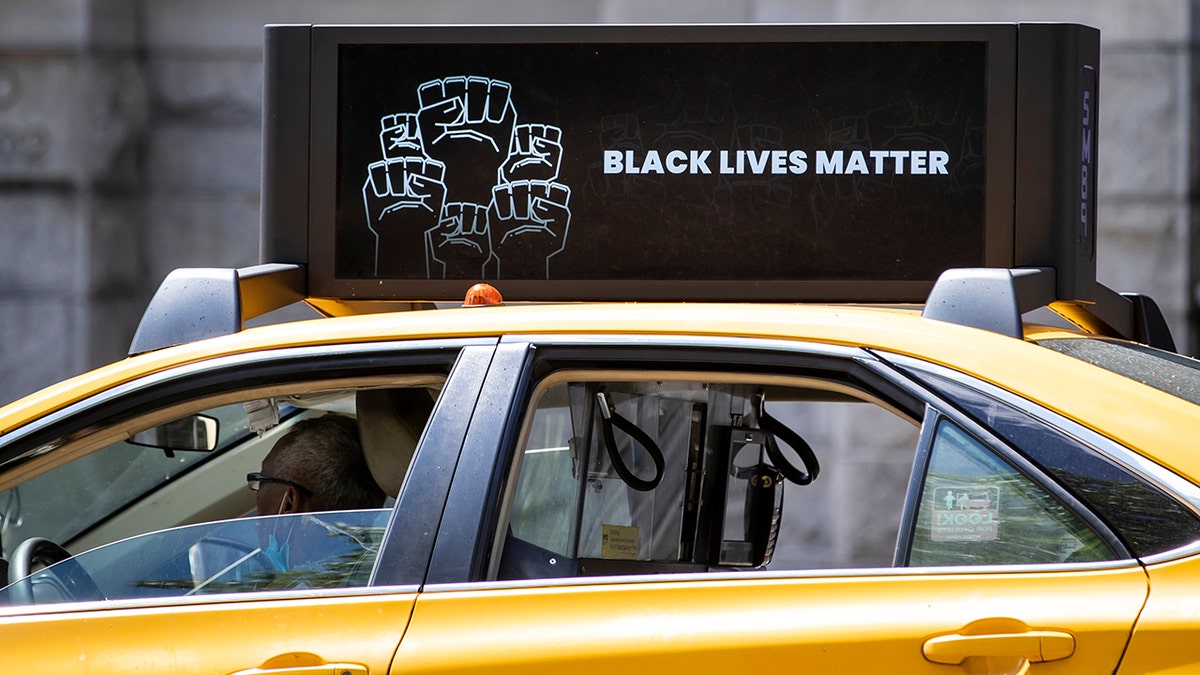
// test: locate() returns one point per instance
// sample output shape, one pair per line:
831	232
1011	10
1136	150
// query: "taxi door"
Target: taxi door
924	615
299	631
930	622
354	635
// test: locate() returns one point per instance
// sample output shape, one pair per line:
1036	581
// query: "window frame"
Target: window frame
469	537
940	408
96	420
1180	490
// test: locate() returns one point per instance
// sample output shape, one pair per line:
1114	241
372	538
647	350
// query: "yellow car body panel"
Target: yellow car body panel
226	636
903	622
1165	638
867	624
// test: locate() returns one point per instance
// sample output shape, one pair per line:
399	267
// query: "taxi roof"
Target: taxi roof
1076	389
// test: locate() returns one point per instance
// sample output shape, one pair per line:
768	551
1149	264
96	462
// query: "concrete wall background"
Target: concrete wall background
130	133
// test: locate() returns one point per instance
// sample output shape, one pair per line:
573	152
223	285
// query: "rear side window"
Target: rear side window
1147	519
622	472
975	508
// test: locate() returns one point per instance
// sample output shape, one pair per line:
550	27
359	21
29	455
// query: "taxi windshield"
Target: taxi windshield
1171	373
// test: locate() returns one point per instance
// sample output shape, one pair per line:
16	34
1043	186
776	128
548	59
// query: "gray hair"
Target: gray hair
324	455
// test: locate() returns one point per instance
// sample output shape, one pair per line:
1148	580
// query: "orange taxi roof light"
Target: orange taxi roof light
482	295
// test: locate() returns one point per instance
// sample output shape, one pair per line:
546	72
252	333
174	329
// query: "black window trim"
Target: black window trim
916	485
421	508
464	536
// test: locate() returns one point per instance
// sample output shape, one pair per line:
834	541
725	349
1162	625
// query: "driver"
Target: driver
317	466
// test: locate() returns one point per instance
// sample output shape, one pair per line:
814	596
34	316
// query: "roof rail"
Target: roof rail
201	302
994	299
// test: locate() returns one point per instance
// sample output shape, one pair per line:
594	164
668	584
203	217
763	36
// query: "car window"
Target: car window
1146	518
682	479
192	463
305	551
591	495
977	509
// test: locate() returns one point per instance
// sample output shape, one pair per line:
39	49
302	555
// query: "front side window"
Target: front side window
70	500
278	489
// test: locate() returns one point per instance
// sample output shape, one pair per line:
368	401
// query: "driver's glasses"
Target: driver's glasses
255	480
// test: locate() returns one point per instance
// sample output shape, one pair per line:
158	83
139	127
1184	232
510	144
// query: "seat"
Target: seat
390	423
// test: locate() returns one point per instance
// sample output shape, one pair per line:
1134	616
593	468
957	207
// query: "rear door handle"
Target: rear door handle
324	669
300	663
1034	646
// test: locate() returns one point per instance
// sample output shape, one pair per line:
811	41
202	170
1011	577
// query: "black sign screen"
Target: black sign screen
668	161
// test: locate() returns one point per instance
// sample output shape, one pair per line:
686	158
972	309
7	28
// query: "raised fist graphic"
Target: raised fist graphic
467	124
535	154
621	132
404	198
400	136
459	247
529	226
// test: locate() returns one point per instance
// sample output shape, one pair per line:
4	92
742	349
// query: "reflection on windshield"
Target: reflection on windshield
311	550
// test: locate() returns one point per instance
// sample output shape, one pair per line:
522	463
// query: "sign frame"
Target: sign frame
1033	195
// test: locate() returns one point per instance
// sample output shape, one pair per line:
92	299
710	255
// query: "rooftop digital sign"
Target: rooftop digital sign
768	162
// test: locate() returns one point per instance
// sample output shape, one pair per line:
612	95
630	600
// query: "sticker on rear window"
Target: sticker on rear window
967	513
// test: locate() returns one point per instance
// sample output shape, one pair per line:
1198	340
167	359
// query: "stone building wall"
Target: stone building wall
130	140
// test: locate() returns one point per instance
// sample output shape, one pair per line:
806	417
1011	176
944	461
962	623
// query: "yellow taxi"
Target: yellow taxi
754	381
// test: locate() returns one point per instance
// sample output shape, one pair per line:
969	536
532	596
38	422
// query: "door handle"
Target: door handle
1034	646
302	663
323	669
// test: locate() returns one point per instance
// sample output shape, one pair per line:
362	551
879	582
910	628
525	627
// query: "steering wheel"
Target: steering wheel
71	578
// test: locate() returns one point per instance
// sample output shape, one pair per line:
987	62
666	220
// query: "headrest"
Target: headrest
390	422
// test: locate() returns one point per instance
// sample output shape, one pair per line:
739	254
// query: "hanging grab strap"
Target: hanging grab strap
776	429
608	419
